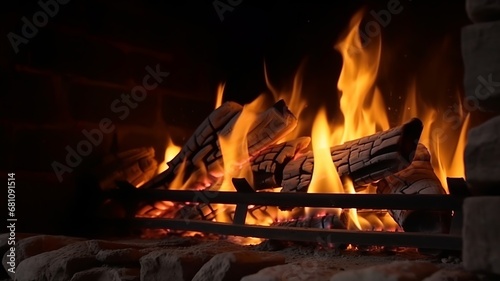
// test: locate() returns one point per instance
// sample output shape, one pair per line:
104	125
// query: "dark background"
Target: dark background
65	78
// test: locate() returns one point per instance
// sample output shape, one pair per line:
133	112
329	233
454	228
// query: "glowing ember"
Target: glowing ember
364	113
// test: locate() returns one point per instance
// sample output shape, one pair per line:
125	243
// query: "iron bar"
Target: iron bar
401	239
296	199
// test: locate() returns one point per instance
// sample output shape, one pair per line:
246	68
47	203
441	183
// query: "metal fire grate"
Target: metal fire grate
246	196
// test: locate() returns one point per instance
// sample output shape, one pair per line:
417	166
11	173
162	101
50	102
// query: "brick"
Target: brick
192	84
395	271
75	53
35	149
7	137
43	204
31	97
134	137
93	102
480	45
236	265
137	61
297	271
481	247
482	157
184	112
483	10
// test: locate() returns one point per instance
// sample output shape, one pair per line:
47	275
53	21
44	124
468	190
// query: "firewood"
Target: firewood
202	142
135	166
200	211
326	222
364	160
202	151
418	178
267	165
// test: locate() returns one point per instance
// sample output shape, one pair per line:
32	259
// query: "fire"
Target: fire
447	158
234	148
364	113
294	100
220	94
170	153
325	177
361	102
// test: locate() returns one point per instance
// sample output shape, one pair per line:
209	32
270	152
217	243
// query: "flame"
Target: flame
170	153
361	102
294	100
364	113
438	136
325	177
234	148
220	95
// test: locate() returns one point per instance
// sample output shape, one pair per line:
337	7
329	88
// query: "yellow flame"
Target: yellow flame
170	152
220	95
364	113
325	177
361	102
445	146
234	148
293	98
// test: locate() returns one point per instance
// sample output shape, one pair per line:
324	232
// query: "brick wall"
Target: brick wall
72	74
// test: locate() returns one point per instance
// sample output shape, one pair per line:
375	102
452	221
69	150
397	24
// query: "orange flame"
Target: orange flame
364	113
325	177
220	95
170	153
361	103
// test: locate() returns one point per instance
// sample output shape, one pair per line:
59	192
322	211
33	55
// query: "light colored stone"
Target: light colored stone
123	256
171	265
297	271
61	264
235	265
395	271
6	242
482	157
35	245
32	245
100	273
58	265
107	274
483	10
451	275
480	45
481	233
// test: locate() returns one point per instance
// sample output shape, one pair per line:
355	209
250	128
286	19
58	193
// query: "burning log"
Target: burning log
200	211
364	160
324	222
202	150
418	178
267	166
135	166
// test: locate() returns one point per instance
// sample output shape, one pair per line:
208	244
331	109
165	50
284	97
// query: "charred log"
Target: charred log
202	150
268	165
364	160
418	178
324	222
200	211
135	166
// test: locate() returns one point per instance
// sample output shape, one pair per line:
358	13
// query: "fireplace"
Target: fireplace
302	140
